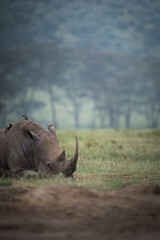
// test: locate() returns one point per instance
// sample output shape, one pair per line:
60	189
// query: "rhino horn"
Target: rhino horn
73	160
70	165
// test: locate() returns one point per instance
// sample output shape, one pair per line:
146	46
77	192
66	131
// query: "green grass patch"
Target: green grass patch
108	158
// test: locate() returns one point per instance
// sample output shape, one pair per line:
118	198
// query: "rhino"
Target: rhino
26	148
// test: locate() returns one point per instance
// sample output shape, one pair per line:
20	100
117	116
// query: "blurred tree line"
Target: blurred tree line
100	51
118	85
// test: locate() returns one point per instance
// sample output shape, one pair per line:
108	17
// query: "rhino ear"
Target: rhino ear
52	128
31	134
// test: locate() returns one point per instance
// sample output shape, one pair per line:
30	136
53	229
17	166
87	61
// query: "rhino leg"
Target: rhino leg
27	174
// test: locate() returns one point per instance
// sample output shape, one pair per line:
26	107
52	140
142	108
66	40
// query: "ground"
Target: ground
115	193
72	212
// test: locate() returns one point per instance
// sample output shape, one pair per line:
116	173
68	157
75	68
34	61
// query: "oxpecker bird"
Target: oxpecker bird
25	117
8	128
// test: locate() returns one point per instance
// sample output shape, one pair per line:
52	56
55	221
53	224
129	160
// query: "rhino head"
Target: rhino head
51	163
49	159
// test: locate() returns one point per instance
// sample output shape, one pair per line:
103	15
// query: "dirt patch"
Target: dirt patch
130	212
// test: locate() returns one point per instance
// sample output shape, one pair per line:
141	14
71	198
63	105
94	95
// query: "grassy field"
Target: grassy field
108	158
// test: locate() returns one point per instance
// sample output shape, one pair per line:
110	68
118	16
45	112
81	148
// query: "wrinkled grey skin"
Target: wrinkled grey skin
28	149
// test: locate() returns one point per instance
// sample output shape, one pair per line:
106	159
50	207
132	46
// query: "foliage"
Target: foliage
119	26
105	52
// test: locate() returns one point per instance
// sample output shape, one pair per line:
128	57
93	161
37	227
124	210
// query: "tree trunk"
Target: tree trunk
128	120
76	118
153	116
102	119
111	119
93	122
154	120
116	118
94	117
51	93
31	98
52	105
128	112
77	107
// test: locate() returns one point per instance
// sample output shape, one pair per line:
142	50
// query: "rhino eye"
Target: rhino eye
48	164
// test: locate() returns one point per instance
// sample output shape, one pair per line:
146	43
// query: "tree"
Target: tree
153	97
73	84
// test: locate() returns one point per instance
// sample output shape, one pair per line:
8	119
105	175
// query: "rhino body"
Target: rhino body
27	148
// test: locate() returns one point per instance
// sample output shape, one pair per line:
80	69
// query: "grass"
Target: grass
107	159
